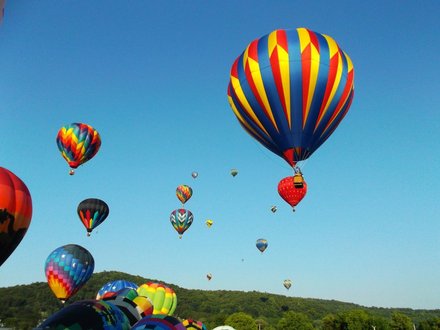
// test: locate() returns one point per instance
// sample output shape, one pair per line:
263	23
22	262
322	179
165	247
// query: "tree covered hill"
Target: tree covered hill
24	306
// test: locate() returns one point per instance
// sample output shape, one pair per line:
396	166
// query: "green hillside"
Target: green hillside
24	306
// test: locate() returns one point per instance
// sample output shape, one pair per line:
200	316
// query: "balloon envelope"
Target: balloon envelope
209	223
261	244
67	269
92	212
194	174
290	89
164	298
110	288
287	284
184	193
15	212
87	315
78	143
181	220
234	172
290	193
194	325
159	322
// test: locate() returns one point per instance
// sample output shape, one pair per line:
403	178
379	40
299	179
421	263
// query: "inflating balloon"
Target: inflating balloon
290	193
78	143
164	298
92	212
159	322
67	269
133	305
184	193
15	212
87	314
290	89
194	325
287	284
181	220
261	244
111	288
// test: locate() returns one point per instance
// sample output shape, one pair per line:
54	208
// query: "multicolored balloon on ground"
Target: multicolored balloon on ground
92	212
290	90
87	315
133	305
164	298
15	212
181	220
67	269
194	325
78	143
290	193
159	322
184	193
287	284
111	288
261	244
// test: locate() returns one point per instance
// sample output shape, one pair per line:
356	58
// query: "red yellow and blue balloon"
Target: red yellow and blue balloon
92	212
184	193
67	269
78	143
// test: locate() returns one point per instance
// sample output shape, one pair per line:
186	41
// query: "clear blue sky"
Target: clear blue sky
151	77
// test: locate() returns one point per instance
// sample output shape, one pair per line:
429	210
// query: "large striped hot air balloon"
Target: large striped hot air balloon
15	212
92	212
78	143
181	220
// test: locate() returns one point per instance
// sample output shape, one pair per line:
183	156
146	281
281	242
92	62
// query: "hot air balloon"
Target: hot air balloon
87	314
67	269
181	220
287	284
209	223
194	325
159	322
15	212
184	193
112	287
194	175
234	172
92	212
133	305
78	143
291	194
209	276
273	208
261	244
164	298
290	89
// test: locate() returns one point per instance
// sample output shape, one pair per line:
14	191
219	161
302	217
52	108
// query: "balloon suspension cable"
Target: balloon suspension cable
71	171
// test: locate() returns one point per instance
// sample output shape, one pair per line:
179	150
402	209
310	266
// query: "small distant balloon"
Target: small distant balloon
287	284
209	223
261	244
273	209
234	172
194	175
209	276
184	193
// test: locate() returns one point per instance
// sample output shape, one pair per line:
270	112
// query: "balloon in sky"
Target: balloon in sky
290	89
287	284
194	325
181	220
164	298
92	212
273	208
67	269
291	194
78	143
15	212
209	276
159	322
261	244
194	175
234	172
184	193
110	288
86	315
209	223
133	305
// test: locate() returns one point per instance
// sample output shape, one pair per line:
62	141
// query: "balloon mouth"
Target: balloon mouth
74	164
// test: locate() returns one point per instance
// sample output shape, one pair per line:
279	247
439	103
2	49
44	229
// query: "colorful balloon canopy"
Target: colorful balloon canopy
184	193
209	223
159	322
290	89
164	298
92	212
291	193
261	244
287	284
111	288
181	220
194	325
67	269
87	315
234	172
15	212
78	143
133	305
